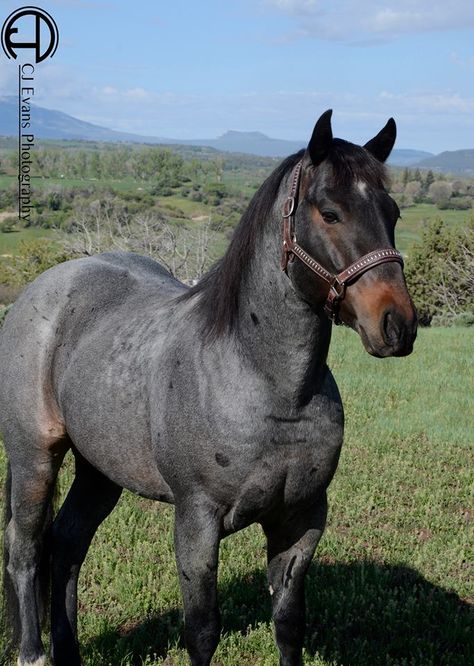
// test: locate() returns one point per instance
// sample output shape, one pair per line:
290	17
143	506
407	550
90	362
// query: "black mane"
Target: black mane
219	289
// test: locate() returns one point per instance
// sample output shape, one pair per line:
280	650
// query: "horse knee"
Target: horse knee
21	552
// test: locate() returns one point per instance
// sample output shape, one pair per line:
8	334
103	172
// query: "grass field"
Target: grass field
410	226
392	580
10	242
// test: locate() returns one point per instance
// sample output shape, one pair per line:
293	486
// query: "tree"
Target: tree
95	165
186	252
413	190
440	191
429	179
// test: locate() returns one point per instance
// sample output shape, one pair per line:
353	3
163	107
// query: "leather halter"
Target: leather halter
337	281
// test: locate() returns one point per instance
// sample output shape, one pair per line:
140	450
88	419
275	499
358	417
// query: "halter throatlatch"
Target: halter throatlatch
337	281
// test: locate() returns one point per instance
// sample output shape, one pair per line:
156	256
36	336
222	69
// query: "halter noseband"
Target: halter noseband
337	281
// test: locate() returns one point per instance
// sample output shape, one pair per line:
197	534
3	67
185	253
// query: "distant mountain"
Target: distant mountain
451	161
254	143
50	124
404	157
257	143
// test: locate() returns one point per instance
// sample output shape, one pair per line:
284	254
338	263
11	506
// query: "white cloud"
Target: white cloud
361	22
439	119
434	103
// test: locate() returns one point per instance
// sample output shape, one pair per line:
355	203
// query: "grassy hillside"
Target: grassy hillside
392	578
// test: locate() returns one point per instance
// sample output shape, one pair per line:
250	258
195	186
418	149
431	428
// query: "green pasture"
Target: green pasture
123	184
392	580
410	226
10	242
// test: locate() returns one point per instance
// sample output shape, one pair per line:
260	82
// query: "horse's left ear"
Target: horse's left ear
381	145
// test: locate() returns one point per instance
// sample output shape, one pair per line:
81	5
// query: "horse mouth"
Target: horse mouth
380	348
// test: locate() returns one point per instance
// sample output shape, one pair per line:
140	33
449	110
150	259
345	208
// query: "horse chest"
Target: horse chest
246	449
290	467
284	477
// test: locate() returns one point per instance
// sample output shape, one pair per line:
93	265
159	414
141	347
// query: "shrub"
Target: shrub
32	259
440	273
439	191
8	225
455	203
8	293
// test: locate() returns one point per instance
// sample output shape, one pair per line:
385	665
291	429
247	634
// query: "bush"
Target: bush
440	274
8	293
33	258
8	225
455	203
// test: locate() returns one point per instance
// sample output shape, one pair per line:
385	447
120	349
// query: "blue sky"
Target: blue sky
196	69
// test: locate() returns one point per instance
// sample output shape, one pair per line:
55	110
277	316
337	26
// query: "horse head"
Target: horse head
339	239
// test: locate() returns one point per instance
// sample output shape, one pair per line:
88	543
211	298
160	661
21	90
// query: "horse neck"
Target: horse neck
284	338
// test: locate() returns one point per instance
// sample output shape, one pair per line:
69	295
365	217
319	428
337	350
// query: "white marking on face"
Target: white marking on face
362	187
271	590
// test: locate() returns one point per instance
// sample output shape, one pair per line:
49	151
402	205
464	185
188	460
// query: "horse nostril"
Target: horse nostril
392	328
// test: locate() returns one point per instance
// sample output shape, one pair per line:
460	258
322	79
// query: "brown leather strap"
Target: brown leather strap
369	261
337	282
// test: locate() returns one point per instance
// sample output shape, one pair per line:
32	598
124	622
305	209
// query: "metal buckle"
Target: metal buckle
338	290
335	296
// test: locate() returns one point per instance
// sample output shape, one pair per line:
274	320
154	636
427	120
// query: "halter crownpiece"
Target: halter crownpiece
337	281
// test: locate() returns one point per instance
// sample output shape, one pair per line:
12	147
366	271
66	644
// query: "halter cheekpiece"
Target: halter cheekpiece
337	281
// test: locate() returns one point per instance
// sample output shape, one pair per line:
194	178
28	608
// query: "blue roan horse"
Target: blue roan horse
216	399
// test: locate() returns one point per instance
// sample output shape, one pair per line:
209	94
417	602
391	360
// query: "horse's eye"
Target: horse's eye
330	216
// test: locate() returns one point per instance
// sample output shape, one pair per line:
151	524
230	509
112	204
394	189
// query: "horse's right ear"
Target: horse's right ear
321	139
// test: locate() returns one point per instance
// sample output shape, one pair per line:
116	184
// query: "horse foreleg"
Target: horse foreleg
291	543
90	500
197	530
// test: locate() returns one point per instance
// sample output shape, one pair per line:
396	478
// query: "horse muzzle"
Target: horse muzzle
395	337
385	319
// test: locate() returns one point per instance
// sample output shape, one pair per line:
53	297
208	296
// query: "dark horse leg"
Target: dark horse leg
290	546
197	529
90	500
32	473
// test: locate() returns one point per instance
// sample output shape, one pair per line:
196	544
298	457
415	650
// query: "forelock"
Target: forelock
351	164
